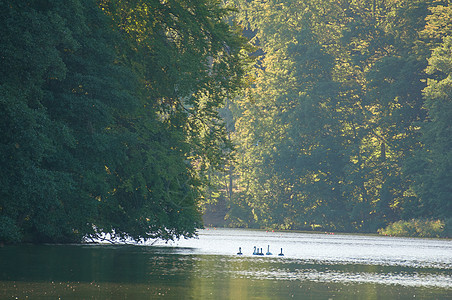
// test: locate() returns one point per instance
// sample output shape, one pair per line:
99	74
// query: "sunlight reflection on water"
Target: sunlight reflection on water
357	249
316	257
409	260
347	277
315	266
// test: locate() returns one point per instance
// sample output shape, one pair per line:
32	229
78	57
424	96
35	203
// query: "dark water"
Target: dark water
314	267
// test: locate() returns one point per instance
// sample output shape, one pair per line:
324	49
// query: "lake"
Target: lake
314	266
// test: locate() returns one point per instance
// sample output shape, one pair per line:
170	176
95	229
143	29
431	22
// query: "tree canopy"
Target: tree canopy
136	117
346	125
105	108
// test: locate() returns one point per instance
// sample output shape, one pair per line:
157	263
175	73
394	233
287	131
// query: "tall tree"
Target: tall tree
332	117
430	168
105	106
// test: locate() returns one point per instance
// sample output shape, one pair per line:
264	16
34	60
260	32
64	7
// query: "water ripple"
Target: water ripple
404	279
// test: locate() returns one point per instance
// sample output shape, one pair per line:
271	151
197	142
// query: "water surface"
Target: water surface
314	266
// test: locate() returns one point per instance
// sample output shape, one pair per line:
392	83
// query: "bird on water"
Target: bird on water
268	250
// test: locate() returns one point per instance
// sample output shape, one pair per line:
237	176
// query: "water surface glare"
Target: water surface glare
412	259
338	248
314	266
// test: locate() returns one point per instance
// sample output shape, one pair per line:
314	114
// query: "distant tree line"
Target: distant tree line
347	123
108	113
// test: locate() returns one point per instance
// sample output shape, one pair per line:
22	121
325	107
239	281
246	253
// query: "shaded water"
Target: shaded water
315	266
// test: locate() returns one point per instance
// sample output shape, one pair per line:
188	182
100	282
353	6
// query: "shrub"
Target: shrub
417	228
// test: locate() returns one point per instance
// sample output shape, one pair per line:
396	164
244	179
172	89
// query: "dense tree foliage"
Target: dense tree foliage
345	126
431	166
107	109
134	117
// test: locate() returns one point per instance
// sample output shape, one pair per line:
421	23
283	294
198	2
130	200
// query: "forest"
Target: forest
106	110
347	122
142	118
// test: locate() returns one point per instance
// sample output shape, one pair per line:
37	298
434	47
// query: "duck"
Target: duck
281	254
268	250
240	251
